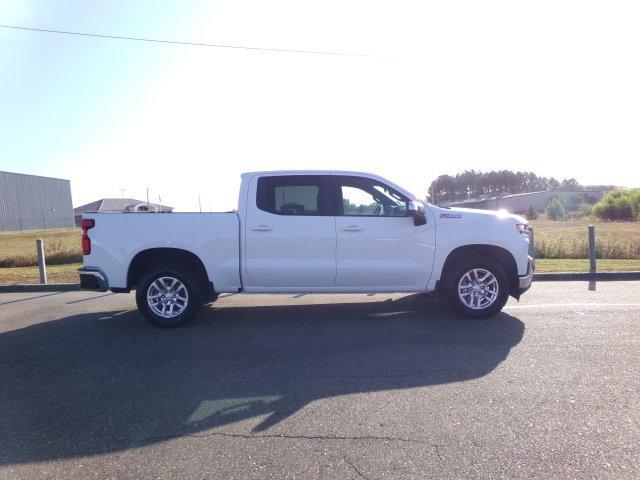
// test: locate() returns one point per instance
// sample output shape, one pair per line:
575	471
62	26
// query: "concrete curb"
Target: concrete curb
569	276
36	287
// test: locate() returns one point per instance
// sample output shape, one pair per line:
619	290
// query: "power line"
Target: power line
193	44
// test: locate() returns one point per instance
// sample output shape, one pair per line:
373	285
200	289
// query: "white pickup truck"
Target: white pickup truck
306	232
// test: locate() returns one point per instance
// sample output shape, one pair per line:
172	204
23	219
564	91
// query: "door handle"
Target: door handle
352	228
262	228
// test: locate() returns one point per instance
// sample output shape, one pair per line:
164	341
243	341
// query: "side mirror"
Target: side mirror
416	210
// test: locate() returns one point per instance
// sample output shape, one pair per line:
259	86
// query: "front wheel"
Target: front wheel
168	296
478	287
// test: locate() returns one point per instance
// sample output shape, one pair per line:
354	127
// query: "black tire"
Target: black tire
466	264
184	276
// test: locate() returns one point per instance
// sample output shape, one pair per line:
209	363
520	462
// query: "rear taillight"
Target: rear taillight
87	224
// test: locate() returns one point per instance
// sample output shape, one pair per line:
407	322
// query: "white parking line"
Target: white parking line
570	305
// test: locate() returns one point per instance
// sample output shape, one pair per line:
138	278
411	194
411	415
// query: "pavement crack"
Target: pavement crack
283	436
311	437
437	448
362	475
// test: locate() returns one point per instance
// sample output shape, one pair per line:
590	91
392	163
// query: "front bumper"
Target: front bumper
93	279
524	281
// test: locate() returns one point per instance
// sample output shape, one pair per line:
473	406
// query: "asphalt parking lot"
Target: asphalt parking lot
313	386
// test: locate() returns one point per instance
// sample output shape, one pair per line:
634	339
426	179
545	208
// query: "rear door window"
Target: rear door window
295	195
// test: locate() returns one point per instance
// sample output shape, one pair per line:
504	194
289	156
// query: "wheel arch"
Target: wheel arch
500	254
150	257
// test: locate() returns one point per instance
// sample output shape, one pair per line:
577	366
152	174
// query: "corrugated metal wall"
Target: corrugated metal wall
520	203
29	202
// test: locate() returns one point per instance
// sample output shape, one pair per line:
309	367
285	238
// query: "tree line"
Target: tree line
473	184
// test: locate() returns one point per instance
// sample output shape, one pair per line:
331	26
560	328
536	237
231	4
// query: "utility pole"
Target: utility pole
147	198
199	203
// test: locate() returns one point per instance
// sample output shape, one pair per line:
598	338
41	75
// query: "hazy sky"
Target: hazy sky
551	87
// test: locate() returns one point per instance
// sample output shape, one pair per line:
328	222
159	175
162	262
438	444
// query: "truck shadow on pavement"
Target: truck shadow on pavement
104	382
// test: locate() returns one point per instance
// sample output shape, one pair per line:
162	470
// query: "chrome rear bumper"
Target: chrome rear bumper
93	279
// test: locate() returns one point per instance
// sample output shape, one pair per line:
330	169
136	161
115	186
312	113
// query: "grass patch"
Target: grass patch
568	239
55	274
62	246
582	265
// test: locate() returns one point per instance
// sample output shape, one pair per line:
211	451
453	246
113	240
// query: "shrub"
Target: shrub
584	210
556	209
619	205
532	214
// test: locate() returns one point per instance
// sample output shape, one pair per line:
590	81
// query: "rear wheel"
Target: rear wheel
168	296
477	287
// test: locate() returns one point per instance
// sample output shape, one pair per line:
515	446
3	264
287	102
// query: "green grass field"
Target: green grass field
554	265
561	247
61	245
568	239
55	274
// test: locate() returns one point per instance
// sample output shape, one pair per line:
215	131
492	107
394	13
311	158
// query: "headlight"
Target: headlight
522	227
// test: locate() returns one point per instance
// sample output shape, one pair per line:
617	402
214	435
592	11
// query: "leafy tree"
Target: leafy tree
599	188
570	185
619	205
350	208
556	210
473	184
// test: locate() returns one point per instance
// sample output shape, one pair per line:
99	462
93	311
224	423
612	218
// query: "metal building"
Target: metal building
30	202
522	202
119	205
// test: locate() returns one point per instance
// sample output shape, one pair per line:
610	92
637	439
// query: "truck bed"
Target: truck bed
117	238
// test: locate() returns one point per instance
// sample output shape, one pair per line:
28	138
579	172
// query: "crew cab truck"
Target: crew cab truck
309	232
